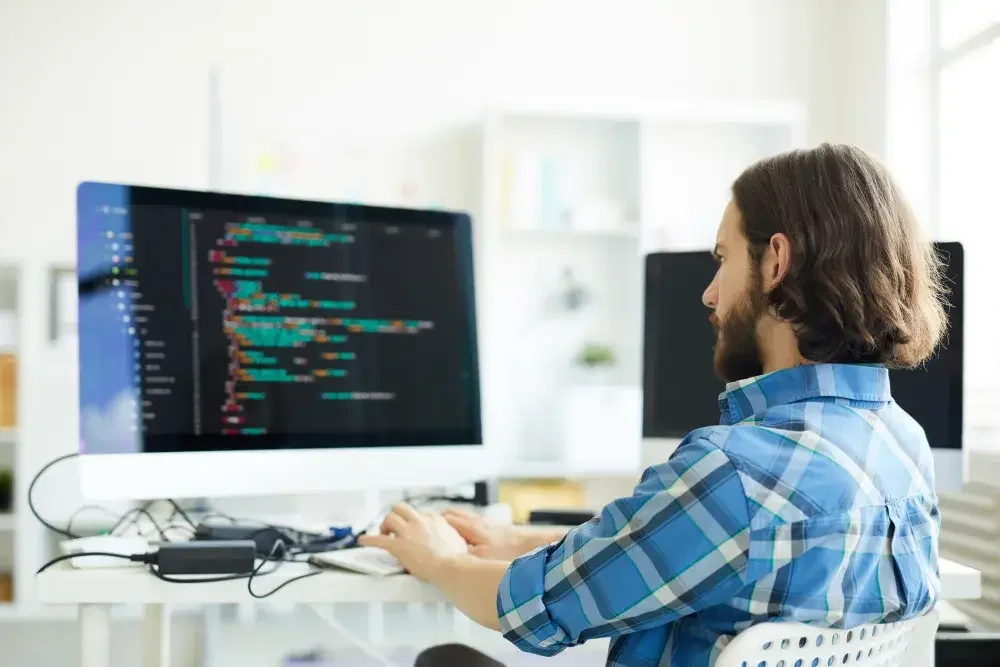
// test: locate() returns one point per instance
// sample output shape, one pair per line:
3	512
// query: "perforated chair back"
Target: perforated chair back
798	645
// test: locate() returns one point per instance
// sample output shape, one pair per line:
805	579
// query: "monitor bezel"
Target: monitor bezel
361	465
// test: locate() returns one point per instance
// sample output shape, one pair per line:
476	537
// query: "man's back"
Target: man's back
813	501
842	507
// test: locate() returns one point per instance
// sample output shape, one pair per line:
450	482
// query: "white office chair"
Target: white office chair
798	645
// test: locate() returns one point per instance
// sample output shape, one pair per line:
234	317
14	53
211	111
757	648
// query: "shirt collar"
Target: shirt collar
752	397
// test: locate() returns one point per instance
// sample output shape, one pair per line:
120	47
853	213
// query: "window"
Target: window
965	72
958	20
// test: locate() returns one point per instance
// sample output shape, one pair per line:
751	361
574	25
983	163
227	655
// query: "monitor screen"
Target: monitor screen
680	390
932	394
224	322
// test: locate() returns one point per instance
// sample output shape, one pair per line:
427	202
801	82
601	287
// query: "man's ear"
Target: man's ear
777	262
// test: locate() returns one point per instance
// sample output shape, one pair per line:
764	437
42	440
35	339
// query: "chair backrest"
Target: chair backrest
780	644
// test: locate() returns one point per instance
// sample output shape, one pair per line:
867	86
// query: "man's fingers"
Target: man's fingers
479	551
381	541
392	524
452	511
406	511
465	527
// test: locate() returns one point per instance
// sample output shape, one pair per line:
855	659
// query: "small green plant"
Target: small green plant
596	355
6	489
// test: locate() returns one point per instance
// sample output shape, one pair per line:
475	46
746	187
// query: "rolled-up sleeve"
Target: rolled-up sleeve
679	544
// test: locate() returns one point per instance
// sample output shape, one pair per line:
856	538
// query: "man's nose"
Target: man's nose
710	297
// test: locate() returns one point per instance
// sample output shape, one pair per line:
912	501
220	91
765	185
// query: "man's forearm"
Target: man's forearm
471	584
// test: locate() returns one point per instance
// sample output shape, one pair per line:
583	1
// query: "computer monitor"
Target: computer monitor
236	345
680	389
933	393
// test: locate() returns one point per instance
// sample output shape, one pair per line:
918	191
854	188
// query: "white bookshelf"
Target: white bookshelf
44	422
592	186
9	386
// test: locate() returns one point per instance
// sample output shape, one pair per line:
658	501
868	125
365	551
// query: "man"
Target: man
812	501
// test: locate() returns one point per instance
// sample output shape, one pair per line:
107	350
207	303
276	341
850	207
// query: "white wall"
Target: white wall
848	92
117	90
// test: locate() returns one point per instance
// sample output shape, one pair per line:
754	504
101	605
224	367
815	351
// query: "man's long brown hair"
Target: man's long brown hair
864	285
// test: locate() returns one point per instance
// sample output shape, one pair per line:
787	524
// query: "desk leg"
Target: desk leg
376	623
95	635
156	636
211	629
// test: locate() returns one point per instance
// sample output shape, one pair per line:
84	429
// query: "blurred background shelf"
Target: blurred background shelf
575	192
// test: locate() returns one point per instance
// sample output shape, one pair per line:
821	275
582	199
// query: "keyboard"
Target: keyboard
366	560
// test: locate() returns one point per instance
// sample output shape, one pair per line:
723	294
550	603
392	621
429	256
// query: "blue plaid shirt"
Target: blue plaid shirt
813	501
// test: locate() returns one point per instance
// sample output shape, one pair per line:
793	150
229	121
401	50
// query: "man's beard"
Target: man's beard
737	354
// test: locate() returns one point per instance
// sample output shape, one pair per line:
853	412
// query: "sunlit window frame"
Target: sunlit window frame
941	59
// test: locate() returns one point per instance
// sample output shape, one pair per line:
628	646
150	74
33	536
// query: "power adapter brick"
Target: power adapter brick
219	557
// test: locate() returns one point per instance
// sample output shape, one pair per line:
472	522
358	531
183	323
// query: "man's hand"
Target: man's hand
489	540
498	541
422	543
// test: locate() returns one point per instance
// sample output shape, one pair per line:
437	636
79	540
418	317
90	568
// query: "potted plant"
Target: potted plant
596	360
6	489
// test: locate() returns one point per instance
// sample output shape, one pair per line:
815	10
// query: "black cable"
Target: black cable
132	516
128	518
271	556
195	579
261	596
68	531
80	510
31	504
303	548
191	534
135	558
184	515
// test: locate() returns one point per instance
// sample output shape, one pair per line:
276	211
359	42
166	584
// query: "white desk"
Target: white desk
95	590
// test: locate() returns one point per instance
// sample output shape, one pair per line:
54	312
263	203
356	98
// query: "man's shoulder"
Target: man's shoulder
703	441
738	442
804	467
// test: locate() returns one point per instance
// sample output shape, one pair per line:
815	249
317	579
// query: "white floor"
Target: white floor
407	630
265	641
